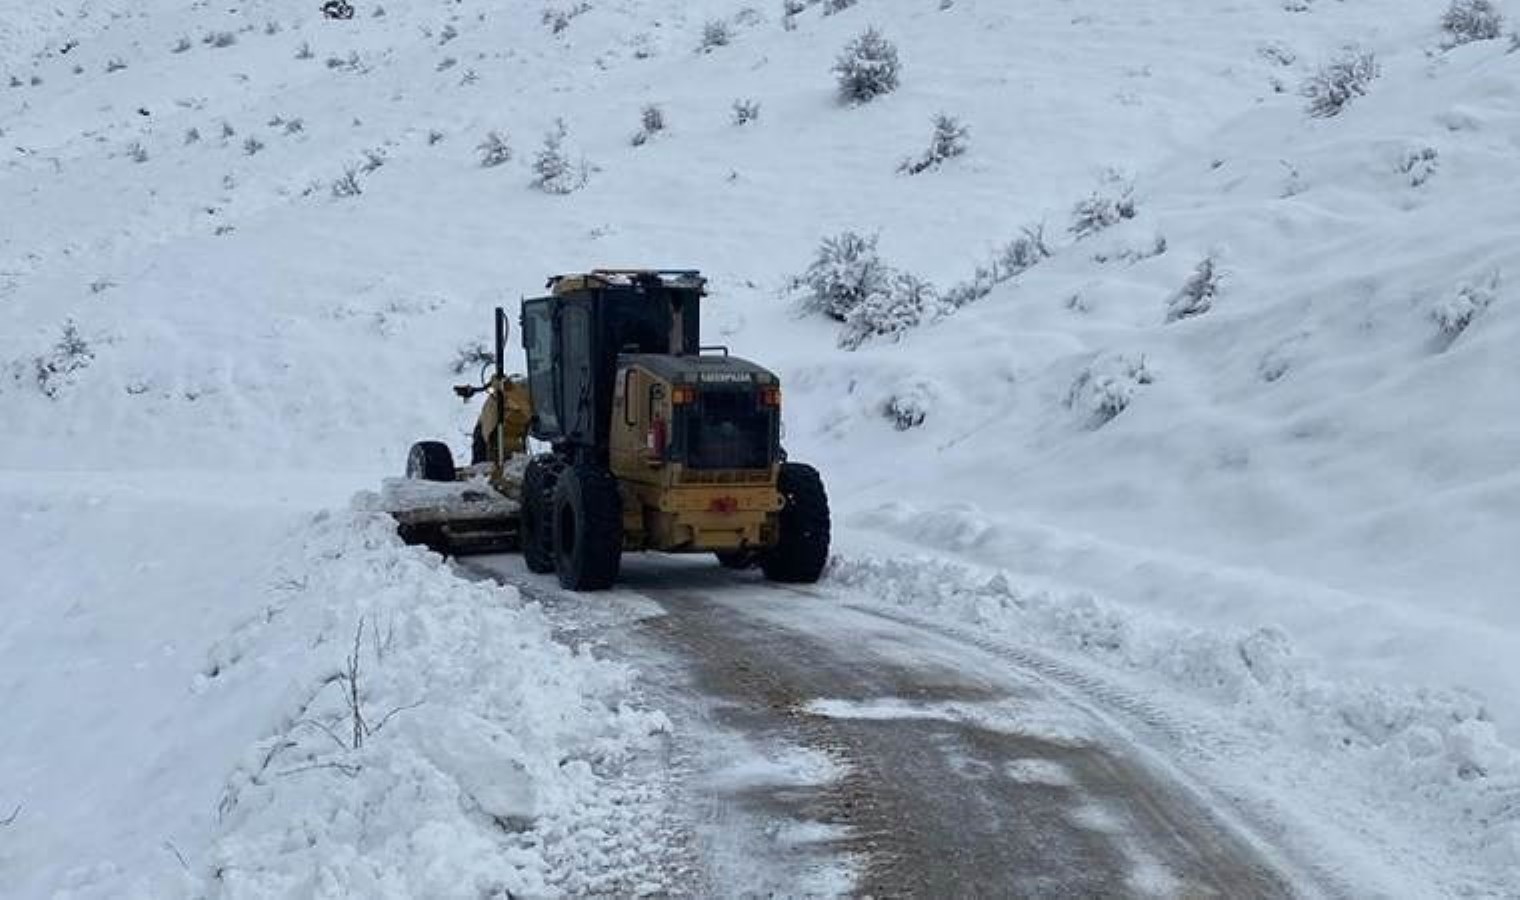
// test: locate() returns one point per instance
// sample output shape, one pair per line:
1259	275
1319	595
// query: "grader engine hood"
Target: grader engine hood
716	412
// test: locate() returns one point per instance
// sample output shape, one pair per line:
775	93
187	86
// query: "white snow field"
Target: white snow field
1284	498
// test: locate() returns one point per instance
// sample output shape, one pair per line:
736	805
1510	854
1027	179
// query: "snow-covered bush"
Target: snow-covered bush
651	123
304	51
1012	260
1466	21
1454	313
908	408
1196	296
846	272
137	152
494	150
1131	254
746	111
252	145
867	68
833	6
374	158
470	357
115	64
907	302
1102	210
351	63
1419	165
347	184
948	142
192	135
181	45
1339	82
219	39
557	20
715	34
1106	387
55	370
553	170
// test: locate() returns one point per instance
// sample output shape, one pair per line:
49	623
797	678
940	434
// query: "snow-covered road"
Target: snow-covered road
826	746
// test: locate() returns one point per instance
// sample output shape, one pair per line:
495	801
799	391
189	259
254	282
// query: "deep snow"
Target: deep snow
1322	456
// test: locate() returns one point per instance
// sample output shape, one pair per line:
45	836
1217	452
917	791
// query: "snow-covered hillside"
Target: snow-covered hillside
1268	392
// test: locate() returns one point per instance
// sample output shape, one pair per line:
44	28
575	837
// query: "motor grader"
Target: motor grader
655	442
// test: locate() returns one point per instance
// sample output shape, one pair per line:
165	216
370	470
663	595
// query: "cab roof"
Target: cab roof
675	279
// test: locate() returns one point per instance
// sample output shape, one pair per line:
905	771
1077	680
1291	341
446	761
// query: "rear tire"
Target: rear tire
537	513
588	528
430	461
803	549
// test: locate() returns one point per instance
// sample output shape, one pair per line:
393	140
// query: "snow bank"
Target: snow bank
175	721
484	757
1428	760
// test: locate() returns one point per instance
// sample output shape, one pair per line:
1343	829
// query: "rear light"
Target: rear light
683	396
658	437
770	396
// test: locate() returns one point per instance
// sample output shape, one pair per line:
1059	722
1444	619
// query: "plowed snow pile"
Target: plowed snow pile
1197	326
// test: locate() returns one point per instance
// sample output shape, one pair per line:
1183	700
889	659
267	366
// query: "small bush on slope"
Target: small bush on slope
1197	294
1338	83
1015	258
1466	21
1106	387
470	357
907	302
553	170
948	142
494	150
746	111
347	185
651	123
867	68
715	34
1454	314
908	408
845	272
1100	211
54	371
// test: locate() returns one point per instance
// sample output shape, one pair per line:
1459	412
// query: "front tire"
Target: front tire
430	461
588	528
537	513
803	549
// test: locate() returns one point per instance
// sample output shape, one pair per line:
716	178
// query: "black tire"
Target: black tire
537	514
735	559
430	461
803	549
588	528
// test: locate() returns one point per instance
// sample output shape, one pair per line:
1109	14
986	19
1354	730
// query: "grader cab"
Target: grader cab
654	442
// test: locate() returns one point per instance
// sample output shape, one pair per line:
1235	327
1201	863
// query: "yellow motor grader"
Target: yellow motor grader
655	442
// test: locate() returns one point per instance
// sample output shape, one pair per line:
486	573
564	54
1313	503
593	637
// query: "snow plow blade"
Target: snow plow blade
453	518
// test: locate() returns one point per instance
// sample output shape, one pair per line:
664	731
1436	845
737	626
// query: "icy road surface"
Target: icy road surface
828	748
